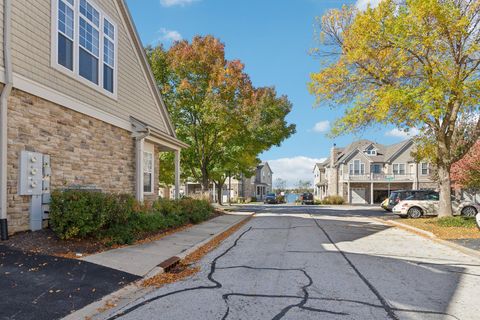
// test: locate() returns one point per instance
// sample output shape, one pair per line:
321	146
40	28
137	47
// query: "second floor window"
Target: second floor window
86	43
376	168
399	168
357	167
425	170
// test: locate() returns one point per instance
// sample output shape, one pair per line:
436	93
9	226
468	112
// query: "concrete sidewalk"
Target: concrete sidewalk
144	259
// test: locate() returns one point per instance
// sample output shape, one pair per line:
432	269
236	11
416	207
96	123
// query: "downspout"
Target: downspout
139	142
3	117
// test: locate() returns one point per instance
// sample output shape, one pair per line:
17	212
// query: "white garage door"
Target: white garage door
358	196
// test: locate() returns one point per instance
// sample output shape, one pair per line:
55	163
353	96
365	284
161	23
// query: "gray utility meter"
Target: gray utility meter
35	172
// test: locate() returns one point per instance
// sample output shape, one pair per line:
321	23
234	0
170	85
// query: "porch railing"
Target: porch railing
379	177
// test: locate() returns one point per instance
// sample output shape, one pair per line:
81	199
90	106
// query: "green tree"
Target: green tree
216	110
411	65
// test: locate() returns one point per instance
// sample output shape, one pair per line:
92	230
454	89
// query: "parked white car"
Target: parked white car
429	207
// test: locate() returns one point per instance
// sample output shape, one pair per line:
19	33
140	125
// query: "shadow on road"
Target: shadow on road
294	265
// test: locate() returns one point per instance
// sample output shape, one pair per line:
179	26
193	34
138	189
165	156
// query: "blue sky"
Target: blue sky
272	39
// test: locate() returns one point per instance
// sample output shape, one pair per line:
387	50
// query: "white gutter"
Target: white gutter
3	117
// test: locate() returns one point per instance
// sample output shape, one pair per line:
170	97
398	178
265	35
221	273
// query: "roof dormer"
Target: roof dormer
371	150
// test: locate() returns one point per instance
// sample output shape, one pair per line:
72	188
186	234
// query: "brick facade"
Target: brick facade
83	150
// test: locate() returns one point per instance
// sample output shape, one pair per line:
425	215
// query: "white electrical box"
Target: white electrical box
31	173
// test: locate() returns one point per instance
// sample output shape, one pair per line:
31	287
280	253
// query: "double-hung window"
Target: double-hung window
399	169
357	167
86	43
65	33
425	170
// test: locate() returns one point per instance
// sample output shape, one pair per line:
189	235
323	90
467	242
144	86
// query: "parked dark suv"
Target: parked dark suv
399	195
307	198
271	198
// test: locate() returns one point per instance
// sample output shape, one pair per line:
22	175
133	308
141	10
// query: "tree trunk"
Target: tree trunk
205	183
445	205
219	193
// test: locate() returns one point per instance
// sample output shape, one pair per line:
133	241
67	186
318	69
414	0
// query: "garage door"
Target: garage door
359	196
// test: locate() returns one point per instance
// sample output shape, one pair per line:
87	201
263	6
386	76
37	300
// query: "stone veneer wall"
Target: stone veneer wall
83	151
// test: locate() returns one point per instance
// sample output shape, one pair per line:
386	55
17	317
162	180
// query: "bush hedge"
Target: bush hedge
333	200
119	219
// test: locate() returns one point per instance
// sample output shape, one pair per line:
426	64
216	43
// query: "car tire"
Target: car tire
469	211
415	212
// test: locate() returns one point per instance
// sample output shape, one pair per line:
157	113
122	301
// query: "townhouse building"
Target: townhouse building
257	186
365	172
79	107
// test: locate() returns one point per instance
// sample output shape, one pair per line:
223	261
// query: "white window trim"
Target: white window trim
76	32
404	169
351	168
421	169
150	149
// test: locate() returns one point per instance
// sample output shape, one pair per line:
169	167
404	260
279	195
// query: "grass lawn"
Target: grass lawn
447	228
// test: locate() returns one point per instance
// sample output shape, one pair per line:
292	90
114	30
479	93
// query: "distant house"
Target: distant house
257	186
81	103
365	172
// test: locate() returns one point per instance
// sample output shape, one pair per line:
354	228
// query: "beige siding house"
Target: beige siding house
257	186
366	171
77	94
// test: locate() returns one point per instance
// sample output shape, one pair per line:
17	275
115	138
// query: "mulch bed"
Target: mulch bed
47	243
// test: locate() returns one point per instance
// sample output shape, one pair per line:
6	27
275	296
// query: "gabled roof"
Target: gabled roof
396	149
144	61
263	164
385	153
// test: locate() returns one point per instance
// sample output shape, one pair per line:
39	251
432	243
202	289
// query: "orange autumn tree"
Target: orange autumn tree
217	111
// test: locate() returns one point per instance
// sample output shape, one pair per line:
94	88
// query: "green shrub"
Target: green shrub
253	199
465	222
333	200
76	213
119	219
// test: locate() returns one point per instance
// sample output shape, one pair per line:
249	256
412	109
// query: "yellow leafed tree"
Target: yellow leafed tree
414	64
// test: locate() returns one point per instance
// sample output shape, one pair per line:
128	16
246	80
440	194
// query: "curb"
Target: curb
132	292
427	234
431	236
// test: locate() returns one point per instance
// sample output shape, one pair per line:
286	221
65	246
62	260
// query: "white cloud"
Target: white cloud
171	3
293	169
322	126
169	35
363	4
397	133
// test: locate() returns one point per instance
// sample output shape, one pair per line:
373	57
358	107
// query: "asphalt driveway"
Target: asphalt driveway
41	287
307	263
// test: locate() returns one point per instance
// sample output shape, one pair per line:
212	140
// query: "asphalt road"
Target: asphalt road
333	263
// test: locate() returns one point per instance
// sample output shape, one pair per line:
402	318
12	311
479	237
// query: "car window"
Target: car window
432	196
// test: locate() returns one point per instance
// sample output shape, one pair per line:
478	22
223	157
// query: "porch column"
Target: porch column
348	193
177	174
371	193
139	146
